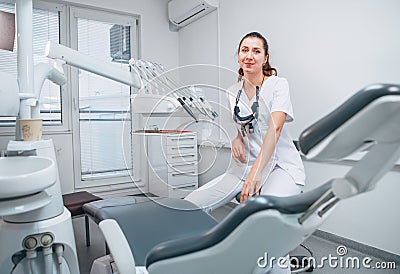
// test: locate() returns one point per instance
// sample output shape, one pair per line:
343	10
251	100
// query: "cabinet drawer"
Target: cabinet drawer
181	192
172	159
182	149
182	178
182	167
181	140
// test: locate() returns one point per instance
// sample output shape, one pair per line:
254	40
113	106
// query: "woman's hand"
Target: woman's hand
238	151
251	186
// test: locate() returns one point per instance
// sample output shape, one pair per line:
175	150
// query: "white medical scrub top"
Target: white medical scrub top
274	96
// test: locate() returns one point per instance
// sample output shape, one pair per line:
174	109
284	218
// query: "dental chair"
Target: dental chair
166	235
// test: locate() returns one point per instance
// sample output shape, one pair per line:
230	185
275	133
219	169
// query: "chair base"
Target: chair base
299	264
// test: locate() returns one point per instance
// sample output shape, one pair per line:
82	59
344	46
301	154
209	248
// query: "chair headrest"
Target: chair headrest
328	127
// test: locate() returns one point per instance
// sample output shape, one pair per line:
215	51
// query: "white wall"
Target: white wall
198	50
327	50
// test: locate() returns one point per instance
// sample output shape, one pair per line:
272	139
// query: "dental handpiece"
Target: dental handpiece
188	110
209	108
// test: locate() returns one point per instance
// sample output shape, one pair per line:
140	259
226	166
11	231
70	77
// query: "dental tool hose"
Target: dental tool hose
155	75
59	251
188	110
48	260
31	255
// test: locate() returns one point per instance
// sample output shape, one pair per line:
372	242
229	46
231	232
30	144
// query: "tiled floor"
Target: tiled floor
322	251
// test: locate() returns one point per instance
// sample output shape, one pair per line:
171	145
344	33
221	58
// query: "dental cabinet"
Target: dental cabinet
172	162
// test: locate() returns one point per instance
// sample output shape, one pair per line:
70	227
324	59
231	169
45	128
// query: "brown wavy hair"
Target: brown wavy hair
267	69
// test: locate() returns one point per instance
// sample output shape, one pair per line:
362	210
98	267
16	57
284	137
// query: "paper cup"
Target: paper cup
31	129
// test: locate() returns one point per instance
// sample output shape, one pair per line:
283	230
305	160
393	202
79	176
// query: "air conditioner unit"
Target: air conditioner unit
183	12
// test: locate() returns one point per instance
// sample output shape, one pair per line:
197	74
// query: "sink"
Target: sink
25	175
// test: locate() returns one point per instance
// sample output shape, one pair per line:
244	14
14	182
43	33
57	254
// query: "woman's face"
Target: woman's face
251	55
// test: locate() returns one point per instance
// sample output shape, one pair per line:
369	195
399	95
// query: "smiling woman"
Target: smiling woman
254	45
266	160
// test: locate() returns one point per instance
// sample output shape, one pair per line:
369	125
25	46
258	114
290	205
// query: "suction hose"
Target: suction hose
31	255
48	260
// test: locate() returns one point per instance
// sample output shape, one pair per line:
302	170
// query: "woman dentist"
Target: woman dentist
266	160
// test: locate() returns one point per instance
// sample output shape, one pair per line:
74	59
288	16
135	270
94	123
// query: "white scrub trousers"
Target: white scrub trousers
225	187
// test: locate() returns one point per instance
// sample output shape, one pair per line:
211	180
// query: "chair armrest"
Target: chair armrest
119	247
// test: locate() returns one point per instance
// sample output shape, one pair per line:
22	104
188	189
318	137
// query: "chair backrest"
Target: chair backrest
262	225
369	116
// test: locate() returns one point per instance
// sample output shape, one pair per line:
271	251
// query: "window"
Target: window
104	118
99	107
46	26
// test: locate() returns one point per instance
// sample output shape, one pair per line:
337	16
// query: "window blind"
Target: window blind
45	27
104	106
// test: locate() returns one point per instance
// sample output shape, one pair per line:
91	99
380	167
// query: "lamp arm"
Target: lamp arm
45	71
74	58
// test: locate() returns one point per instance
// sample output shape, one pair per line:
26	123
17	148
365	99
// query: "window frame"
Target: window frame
76	12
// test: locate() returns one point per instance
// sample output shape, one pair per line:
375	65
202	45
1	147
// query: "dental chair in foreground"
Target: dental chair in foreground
165	238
